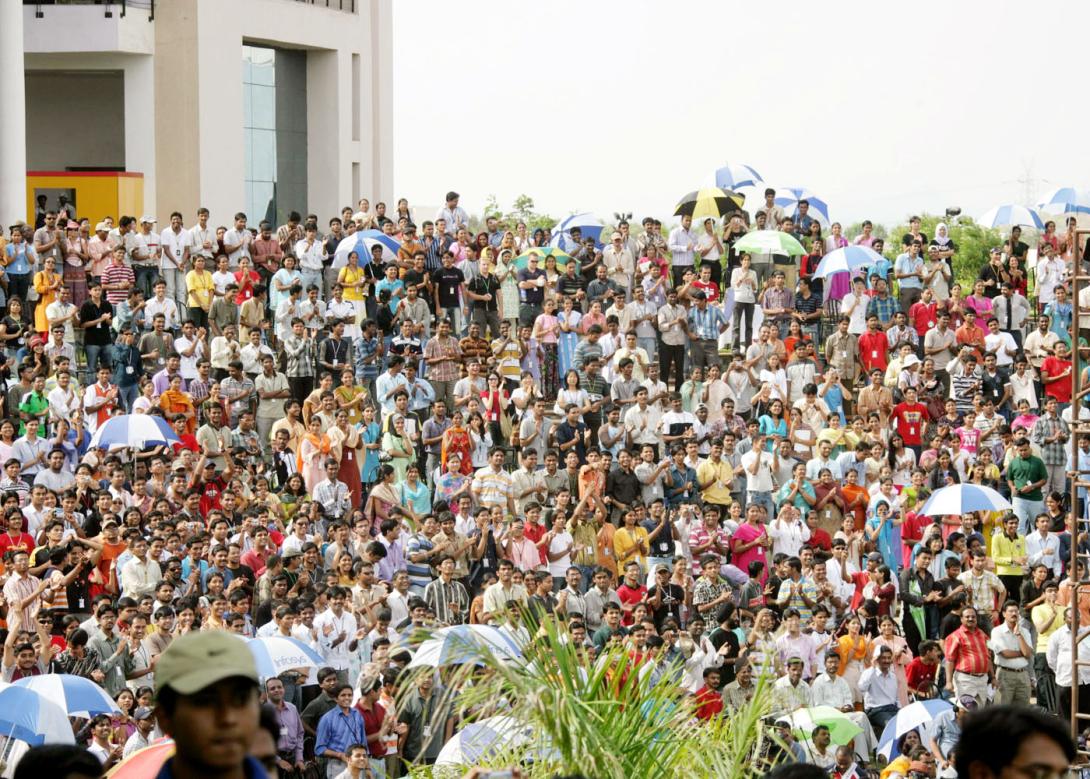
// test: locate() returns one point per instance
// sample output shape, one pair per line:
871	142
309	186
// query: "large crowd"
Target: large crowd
711	458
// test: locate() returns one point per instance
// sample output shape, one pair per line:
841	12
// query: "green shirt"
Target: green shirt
1028	470
34	406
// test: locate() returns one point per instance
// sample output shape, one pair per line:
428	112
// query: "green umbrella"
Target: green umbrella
841	729
769	242
562	258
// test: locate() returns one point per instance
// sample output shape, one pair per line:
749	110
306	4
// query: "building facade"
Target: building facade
265	106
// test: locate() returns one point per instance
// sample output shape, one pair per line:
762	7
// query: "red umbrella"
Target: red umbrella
144	764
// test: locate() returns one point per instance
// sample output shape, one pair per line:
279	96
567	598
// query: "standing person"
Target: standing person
968	666
682	244
1026	475
1012	645
339	729
1068	682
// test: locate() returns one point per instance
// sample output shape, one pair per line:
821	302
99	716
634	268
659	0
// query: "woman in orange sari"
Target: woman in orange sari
456	439
313	452
175	401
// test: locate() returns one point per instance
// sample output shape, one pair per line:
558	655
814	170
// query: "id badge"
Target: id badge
129	370
874	354
427	732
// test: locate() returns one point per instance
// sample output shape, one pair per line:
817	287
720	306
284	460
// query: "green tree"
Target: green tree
522	210
854	230
973	243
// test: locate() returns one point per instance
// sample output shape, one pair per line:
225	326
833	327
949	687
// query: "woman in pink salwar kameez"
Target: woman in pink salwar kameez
750	542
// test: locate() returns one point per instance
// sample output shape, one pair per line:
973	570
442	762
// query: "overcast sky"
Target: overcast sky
610	106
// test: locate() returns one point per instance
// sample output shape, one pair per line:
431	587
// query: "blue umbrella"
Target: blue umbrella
735	176
361	243
1011	215
465	644
848	258
79	697
29	716
962	499
276	654
589	226
909	718
137	431
788	199
1065	200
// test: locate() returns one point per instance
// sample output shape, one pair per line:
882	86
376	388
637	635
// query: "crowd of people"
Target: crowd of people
712	458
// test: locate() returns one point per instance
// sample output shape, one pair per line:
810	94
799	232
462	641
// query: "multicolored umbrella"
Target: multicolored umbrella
136	431
562	258
29	716
769	242
361	243
788	199
909	718
736	176
145	764
78	697
1010	216
713	201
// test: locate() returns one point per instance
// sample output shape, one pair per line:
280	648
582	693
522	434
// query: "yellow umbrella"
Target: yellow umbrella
711	201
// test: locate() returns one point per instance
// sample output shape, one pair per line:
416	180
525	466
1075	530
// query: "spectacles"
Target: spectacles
1041	771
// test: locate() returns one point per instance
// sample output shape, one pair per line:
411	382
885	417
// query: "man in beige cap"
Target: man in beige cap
100	247
206	689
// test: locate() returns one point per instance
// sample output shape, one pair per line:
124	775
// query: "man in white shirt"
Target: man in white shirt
236	241
1043	548
790	693
854	306
191	347
757	466
619	263
336	628
309	252
175	241
682	245
1013	648
1058	656
452	214
140	575
163	304
1001	344
879	687
830	689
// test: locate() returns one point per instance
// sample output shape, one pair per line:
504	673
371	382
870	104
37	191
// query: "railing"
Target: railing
107	6
1080	355
348	6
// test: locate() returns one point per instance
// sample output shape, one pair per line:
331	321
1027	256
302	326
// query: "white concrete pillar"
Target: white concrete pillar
140	125
13	204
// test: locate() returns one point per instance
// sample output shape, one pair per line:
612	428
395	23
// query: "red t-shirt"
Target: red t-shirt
1061	390
910	418
708	703
372	721
920	675
711	289
819	539
630	596
922	316
535	533
874	350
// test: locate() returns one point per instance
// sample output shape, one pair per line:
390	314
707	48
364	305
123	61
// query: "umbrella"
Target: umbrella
736	176
712	201
1011	215
841	729
79	697
479	741
276	654
29	716
465	644
788	199
135	431
962	499
589	226
361	243
769	242
144	764
1065	200
848	258
909	718
562	258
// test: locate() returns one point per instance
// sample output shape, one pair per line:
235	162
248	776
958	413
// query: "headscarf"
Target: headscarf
941	240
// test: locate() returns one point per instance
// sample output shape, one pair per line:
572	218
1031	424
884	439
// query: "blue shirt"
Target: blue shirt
906	264
21	259
338	731
704	325
365	347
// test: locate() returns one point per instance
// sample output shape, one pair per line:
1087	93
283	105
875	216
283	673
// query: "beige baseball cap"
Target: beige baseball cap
196	660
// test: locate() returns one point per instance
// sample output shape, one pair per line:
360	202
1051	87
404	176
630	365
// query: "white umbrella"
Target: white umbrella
276	654
478	741
1010	216
29	716
962	499
135	431
79	697
465	644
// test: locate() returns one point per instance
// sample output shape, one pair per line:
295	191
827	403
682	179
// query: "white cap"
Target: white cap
147	219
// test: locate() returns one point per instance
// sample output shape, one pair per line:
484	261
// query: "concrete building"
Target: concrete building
266	106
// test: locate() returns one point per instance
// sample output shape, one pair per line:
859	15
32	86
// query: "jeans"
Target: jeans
145	278
763	499
740	310
309	278
672	358
1027	510
18	285
128	394
880	716
96	353
175	279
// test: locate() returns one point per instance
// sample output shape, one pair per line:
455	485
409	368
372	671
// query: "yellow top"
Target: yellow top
199	286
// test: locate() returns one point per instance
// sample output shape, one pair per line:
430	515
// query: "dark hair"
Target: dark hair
59	760
993	736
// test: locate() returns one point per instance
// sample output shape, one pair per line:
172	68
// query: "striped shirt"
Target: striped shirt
704	325
968	651
441	595
493	487
118	274
19	588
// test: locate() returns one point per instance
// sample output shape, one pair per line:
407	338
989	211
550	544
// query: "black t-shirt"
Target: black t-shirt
97	335
672	598
414	278
485	285
534	296
717	638
448	282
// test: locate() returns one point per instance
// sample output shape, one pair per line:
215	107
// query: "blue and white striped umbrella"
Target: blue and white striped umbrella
1011	215
465	644
79	697
734	176
589	226
1065	200
29	716
480	741
911	717
136	431
848	258
962	499
361	244
276	654
788	199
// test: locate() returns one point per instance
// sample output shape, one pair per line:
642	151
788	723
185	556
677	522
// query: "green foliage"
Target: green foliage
852	231
600	719
522	210
973	242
